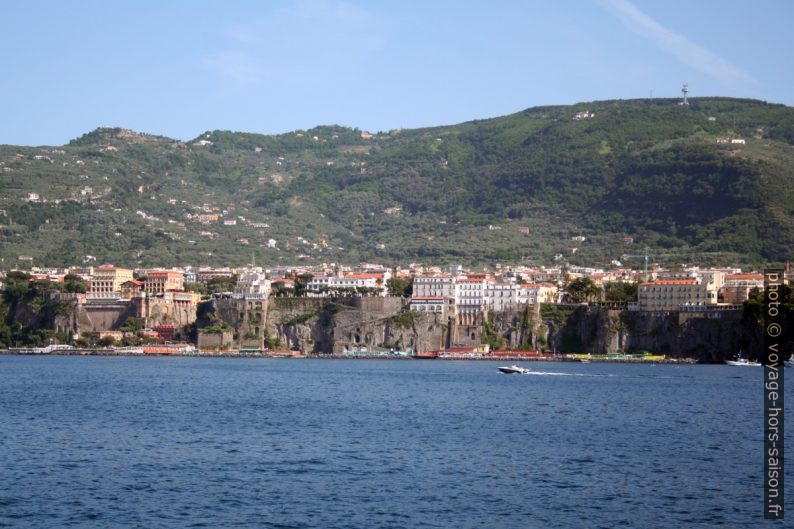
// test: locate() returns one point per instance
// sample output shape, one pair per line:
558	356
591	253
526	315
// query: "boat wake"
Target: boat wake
555	374
603	375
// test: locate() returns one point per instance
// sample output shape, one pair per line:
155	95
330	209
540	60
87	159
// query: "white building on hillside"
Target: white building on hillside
533	293
441	285
470	295
252	284
429	304
501	296
358	281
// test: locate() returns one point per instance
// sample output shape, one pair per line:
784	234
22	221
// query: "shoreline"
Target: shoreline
240	354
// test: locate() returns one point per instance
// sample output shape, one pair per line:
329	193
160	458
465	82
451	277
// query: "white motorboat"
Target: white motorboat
515	370
742	362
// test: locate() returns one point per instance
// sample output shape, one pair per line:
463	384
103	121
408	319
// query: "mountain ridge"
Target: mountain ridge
516	187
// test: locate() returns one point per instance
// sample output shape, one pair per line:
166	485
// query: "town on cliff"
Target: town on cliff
417	311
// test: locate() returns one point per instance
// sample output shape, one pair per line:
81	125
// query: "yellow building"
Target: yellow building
107	280
672	294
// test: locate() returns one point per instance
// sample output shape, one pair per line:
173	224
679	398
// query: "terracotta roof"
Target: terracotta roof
671	282
163	272
364	276
759	277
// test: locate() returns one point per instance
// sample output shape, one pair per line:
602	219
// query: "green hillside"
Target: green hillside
518	187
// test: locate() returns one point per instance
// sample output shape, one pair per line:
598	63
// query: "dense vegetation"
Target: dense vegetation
520	187
28	309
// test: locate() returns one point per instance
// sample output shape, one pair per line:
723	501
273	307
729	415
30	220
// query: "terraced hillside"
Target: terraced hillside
590	182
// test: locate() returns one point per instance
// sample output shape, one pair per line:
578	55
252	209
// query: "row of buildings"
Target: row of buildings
452	289
465	295
462	294
165	303
697	289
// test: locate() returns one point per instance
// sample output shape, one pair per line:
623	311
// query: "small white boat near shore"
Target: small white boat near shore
742	362
514	370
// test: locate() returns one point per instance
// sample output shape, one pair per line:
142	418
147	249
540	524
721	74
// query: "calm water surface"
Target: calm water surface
198	442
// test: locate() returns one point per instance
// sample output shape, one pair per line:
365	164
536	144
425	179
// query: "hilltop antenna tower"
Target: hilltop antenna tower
685	91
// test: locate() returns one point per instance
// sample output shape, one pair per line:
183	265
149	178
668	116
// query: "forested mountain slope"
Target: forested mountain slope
529	186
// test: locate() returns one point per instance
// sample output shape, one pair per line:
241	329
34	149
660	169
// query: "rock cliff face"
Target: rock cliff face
323	326
706	337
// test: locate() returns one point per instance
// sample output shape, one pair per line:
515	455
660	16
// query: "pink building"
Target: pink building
161	281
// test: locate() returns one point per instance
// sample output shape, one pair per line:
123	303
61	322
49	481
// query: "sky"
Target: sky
183	67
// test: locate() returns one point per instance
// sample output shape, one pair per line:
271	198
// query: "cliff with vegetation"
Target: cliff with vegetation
39	313
709	337
322	326
705	183
333	326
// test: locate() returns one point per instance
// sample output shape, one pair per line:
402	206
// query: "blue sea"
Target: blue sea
223	442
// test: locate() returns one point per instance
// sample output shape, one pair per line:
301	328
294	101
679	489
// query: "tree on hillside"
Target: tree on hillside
132	324
400	287
106	341
620	292
17	287
301	284
74	284
199	288
582	290
221	284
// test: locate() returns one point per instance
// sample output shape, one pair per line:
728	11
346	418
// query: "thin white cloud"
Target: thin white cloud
298	43
243	35
683	49
236	66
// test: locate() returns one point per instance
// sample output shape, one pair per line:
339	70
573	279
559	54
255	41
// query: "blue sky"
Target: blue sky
180	68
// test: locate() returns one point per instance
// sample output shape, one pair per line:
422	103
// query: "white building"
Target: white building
428	304
252	284
717	277
470	295
190	274
532	293
442	286
501	296
376	281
